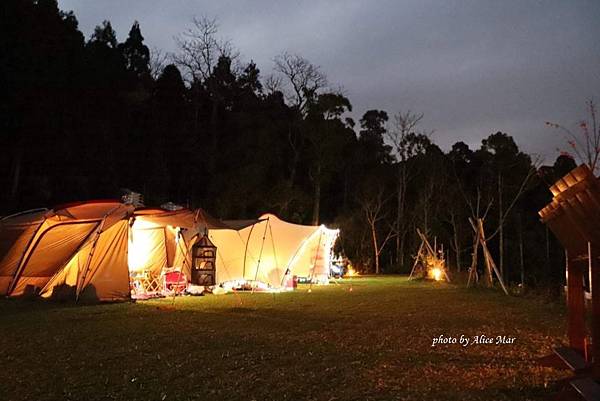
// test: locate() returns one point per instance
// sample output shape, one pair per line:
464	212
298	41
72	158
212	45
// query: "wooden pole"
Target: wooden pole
417	258
501	228
488	271
473	276
576	303
491	266
593	254
547	247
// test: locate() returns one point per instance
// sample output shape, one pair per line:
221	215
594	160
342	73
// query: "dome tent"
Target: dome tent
88	249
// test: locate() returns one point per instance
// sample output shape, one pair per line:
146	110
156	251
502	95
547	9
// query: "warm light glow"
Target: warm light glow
436	273
141	243
351	272
301	249
327	239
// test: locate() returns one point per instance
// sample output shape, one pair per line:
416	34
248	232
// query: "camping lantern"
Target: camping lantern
203	262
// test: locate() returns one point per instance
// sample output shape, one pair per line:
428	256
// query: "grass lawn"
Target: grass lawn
371	343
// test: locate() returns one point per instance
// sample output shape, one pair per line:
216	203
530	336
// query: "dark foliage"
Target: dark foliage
85	119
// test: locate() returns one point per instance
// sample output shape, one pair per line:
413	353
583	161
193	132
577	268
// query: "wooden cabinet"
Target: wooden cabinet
204	255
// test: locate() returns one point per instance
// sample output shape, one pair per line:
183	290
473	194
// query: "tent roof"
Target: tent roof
210	221
240	224
142	211
179	218
88	210
273	217
91	210
24	218
159	217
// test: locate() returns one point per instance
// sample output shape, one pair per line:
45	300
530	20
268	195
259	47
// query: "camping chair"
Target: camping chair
137	282
174	280
152	282
145	283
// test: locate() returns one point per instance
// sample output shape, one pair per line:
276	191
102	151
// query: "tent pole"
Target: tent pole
274	250
22	260
88	262
100	227
246	249
312	272
83	243
260	253
185	248
417	258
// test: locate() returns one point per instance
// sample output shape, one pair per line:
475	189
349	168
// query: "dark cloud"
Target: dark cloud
473	67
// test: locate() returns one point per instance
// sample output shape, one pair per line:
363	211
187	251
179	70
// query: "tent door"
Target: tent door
204	255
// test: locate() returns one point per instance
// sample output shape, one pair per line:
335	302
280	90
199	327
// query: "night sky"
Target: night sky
472	67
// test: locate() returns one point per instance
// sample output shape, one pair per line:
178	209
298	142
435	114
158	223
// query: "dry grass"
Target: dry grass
371	343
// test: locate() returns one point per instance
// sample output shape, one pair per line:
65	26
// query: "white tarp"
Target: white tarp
268	249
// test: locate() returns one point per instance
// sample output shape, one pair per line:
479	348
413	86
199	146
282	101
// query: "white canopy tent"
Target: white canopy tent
266	250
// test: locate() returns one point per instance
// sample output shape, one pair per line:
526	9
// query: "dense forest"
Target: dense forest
88	118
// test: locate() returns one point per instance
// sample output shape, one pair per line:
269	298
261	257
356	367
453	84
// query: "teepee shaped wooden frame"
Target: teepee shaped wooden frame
425	254
490	265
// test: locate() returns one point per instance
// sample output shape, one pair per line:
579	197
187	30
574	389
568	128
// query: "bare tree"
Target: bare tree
407	142
158	62
304	78
405	125
303	81
520	191
373	205
586	144
199	53
273	83
200	49
455	245
480	207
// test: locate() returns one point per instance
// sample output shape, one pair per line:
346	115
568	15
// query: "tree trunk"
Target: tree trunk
400	215
397	223
345	197
521	257
317	197
456	242
212	157
16	170
295	157
473	275
375	248
402	247
398	260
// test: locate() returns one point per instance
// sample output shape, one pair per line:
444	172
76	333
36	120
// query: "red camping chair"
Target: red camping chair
174	281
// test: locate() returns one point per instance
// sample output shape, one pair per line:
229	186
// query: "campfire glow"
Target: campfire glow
351	272
436	273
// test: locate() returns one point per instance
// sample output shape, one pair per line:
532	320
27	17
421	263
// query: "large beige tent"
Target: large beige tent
266	250
90	249
94	250
160	239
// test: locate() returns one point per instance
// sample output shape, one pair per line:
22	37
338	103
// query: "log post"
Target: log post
594	253
576	303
